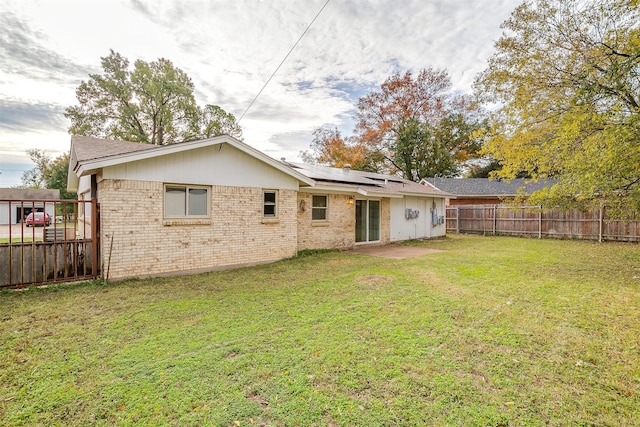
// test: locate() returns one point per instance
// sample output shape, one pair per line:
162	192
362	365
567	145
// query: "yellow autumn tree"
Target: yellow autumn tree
566	80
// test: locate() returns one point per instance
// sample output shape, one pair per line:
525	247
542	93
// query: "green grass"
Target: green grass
488	332
5	240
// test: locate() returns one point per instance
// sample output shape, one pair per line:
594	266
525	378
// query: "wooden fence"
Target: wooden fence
58	244
533	221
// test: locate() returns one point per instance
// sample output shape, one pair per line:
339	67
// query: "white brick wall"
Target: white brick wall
144	244
338	232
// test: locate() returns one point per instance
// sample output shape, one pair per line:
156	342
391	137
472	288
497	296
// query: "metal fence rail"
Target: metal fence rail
47	241
533	221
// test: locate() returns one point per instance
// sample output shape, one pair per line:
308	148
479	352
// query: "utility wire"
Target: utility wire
283	60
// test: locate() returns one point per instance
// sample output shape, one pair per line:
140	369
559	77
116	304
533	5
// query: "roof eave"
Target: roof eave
442	195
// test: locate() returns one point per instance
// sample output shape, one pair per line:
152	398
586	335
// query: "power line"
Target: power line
283	60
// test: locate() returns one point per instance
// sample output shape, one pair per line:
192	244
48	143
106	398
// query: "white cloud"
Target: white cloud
230	48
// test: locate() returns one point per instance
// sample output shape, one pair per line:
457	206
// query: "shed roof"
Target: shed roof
484	187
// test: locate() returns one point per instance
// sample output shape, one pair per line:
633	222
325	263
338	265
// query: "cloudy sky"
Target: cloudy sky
230	48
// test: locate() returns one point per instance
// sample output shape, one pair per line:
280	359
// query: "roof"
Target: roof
29	194
365	183
90	148
484	187
89	154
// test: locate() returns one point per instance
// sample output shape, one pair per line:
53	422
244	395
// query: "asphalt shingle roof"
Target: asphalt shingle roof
90	148
485	187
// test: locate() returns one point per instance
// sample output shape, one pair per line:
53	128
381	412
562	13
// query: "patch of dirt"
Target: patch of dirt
374	280
259	399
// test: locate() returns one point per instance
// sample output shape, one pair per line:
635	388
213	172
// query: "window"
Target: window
186	201
269	202
319	205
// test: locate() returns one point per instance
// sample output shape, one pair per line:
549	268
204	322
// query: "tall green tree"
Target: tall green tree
153	103
566	77
420	153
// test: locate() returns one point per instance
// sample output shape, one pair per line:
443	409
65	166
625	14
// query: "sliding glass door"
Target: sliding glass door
367	221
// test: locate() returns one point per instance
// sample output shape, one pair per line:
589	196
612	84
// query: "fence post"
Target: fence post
457	220
484	224
540	222
495	219
600	224
94	237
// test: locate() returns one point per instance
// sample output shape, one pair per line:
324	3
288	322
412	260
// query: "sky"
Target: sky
230	49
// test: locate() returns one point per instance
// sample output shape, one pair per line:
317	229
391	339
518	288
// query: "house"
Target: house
219	203
17	203
483	191
377	208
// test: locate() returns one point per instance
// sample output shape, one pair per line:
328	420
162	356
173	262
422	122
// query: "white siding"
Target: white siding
415	228
216	165
441	229
4	212
84	185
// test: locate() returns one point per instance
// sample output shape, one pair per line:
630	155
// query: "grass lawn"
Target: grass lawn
489	332
5	240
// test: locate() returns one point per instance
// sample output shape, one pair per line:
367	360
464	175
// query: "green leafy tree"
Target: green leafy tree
483	169
419	152
213	120
152	104
566	77
48	173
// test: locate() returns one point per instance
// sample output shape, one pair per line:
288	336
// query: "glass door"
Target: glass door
367	221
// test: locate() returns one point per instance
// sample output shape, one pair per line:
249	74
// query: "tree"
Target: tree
48	173
419	153
329	148
412	126
482	169
35	178
153	104
418	126
566	75
213	120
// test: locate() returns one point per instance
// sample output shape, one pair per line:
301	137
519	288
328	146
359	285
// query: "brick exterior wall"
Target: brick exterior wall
338	231
145	244
385	221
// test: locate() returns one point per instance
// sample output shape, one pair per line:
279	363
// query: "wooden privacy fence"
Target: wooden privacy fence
60	245
533	221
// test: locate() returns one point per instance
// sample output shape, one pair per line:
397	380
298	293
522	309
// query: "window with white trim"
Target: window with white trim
186	201
269	203
319	207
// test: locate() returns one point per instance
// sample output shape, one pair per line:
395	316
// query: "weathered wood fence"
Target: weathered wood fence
533	221
61	247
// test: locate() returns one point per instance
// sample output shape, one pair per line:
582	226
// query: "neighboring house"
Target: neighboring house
219	203
17	203
483	191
